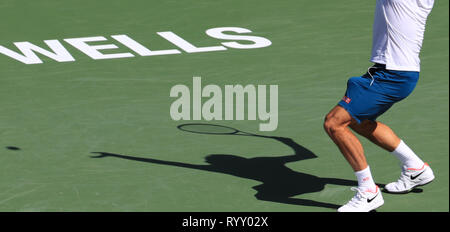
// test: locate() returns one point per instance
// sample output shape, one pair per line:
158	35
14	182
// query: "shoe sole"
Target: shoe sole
372	209
409	190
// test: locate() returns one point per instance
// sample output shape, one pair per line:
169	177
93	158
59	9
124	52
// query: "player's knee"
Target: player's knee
335	123
331	124
336	120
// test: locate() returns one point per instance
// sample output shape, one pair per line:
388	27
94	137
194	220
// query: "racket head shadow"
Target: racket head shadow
209	129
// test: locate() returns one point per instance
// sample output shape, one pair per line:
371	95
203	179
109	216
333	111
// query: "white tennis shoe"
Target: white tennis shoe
363	201
410	178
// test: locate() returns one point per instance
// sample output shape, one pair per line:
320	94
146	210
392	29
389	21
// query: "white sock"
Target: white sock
365	180
407	156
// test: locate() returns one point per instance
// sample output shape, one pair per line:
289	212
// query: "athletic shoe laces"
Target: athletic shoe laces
404	181
357	199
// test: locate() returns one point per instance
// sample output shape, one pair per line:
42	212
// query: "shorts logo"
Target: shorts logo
346	99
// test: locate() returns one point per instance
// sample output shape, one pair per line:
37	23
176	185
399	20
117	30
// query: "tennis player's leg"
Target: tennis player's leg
368	196
336	125
414	171
378	133
361	102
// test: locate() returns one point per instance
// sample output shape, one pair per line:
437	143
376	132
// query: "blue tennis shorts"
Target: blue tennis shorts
373	93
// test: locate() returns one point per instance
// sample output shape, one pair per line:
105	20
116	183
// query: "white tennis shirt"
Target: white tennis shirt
398	30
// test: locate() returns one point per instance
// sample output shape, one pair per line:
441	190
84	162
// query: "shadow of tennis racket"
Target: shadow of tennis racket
212	129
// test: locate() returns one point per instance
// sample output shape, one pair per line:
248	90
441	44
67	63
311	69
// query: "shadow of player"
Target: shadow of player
279	183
